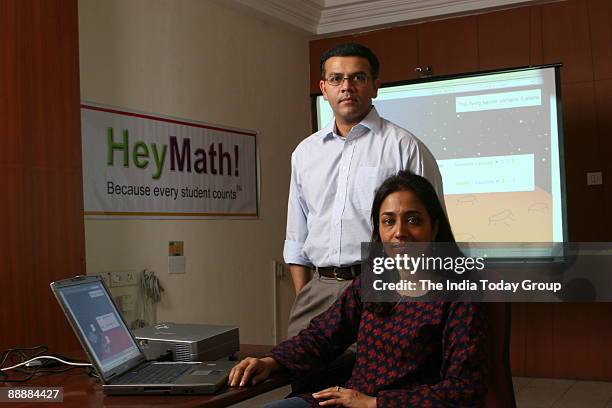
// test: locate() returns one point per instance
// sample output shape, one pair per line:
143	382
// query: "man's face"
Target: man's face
351	99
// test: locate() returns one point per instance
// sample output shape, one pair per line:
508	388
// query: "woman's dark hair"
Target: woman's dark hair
422	188
406	181
351	50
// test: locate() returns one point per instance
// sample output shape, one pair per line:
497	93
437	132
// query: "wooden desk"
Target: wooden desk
80	390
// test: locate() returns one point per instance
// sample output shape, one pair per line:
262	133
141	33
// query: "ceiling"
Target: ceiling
324	17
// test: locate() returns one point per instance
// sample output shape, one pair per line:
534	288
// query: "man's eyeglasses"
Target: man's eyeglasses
359	78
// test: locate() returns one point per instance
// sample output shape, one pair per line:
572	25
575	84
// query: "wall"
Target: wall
199	60
553	340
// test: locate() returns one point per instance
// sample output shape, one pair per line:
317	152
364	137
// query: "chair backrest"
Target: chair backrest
501	390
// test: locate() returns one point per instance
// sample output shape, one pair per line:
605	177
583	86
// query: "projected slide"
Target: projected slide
496	141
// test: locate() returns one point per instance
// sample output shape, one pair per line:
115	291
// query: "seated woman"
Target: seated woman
409	353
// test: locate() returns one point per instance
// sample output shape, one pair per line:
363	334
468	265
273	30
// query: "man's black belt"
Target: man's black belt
340	272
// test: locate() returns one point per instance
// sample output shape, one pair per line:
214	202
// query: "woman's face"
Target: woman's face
404	218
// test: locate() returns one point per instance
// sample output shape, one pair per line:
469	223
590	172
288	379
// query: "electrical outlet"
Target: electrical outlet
116	279
123	278
130	277
106	278
594	178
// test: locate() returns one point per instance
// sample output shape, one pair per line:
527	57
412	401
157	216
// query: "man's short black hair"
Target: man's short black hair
351	50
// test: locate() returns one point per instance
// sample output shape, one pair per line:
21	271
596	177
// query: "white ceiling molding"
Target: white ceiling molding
383	12
303	14
335	16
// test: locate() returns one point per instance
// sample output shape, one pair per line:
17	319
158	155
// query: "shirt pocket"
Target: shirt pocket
367	181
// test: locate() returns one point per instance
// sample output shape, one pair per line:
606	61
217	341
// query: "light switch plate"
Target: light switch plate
176	264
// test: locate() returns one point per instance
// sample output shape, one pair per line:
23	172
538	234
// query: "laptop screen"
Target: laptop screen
100	324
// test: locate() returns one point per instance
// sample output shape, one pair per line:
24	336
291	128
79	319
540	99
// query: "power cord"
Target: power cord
49	358
151	286
11	353
36	363
151	290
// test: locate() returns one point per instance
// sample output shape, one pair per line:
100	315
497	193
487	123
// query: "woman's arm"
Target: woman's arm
326	337
464	365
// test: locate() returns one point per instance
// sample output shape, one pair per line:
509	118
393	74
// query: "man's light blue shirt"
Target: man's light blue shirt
333	181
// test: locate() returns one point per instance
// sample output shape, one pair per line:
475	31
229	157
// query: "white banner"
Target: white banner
144	166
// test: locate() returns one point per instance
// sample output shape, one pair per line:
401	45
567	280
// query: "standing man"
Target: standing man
334	174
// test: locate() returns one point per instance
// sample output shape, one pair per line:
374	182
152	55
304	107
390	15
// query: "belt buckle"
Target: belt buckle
335	273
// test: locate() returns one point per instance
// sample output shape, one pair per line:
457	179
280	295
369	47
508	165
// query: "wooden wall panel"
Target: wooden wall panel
398	48
449	46
582	154
10	205
603	108
606	334
8	109
515	41
535	35
41	211
577	350
518	345
600	24
565	38
539	339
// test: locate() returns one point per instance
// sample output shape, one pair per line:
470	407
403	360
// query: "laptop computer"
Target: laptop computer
116	355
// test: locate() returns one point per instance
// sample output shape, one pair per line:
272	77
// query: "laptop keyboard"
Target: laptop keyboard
155	374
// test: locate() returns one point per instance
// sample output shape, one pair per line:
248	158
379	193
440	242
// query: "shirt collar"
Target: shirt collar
370	122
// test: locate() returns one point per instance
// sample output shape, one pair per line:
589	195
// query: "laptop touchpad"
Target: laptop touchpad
206	372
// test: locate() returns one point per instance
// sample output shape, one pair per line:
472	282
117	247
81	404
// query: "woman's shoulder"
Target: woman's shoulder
466	313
